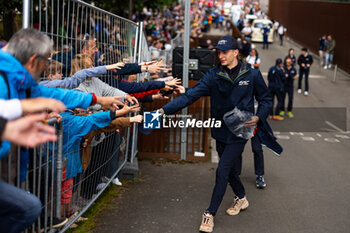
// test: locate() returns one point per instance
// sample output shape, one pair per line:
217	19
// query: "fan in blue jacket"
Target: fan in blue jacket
75	128
22	64
231	84
276	78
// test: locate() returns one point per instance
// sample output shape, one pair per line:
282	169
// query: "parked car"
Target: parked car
258	26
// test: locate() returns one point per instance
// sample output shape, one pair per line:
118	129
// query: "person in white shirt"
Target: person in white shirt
247	32
253	59
15	108
281	32
275	29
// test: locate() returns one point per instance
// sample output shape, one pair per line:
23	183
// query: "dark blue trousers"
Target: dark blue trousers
278	93
258	156
303	72
265	42
228	171
290	91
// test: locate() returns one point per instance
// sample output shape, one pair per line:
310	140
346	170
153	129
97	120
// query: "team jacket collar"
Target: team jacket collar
245	67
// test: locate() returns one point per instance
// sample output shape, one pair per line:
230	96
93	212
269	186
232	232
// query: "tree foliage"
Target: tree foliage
8	14
117	6
9	6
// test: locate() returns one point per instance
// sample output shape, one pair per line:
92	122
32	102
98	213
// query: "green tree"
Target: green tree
118	6
8	11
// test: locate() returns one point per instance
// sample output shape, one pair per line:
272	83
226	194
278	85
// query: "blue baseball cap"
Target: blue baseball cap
227	43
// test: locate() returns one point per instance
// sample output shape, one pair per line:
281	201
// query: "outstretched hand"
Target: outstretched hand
179	89
126	109
159	97
116	66
156	68
136	119
29	131
109	102
42	104
131	99
173	82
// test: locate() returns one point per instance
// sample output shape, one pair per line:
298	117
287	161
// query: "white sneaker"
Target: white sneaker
207	224
299	91
306	93
325	67
117	182
237	206
100	186
329	66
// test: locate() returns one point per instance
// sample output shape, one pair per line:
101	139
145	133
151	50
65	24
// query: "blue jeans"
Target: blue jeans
18	209
258	155
228	171
329	59
113	164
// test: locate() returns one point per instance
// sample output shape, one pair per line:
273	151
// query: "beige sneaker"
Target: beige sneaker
237	206
207	224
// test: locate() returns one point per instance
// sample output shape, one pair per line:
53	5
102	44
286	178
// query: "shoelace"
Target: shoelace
260	179
235	201
206	218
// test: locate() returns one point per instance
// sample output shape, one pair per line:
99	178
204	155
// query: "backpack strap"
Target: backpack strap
3	74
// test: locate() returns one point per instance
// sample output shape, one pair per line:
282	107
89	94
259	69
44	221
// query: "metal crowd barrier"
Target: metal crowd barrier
144	55
38	171
76	27
177	41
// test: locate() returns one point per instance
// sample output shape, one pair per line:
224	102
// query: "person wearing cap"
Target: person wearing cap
232	83
276	78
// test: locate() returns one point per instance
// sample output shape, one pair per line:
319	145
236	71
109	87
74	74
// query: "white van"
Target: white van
258	25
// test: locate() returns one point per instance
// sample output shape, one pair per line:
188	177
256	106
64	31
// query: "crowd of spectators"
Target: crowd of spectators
96	113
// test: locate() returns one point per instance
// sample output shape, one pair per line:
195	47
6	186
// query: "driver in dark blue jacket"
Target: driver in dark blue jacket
231	84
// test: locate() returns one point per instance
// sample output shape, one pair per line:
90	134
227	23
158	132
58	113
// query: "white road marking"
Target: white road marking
319	135
342	136
334	127
331	140
296	133
315	76
286	137
308	139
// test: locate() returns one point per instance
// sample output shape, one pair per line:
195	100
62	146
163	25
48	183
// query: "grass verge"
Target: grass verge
102	203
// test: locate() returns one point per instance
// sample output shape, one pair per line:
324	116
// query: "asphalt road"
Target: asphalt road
308	187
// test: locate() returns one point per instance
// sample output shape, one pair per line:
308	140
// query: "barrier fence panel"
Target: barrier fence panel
36	171
177	41
144	55
69	175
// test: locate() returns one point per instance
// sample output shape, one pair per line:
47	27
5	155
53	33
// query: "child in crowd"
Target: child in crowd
75	127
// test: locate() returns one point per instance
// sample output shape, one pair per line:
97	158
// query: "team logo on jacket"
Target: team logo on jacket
243	83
